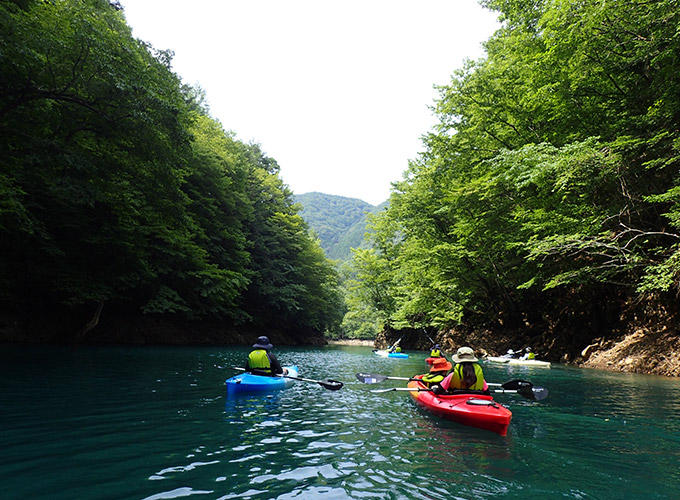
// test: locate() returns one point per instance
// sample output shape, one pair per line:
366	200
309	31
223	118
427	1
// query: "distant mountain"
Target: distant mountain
339	222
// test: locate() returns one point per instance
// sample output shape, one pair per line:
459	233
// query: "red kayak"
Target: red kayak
475	410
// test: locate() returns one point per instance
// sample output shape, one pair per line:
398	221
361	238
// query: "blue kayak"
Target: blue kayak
247	382
397	355
387	354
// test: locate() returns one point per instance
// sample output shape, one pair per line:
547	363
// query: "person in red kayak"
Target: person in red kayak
261	361
440	367
436	352
467	374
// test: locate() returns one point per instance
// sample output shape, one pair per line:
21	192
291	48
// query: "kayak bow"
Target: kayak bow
474	410
248	382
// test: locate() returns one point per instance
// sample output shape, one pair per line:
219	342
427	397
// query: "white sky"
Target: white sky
336	91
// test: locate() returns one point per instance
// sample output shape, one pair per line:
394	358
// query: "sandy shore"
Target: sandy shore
368	343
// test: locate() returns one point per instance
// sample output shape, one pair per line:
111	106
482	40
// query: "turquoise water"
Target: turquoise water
155	423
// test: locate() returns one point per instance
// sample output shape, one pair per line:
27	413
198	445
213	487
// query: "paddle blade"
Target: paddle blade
534	393
370	378
331	385
516	385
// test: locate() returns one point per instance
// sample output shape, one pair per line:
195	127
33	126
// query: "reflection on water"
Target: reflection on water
156	423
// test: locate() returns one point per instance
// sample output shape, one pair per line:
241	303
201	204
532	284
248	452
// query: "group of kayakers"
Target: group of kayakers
528	354
445	377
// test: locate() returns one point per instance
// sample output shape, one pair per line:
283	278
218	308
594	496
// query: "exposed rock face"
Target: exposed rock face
641	351
646	341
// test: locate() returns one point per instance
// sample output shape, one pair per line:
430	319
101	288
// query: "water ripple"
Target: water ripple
157	423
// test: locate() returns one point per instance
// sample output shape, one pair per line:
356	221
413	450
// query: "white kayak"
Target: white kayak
516	361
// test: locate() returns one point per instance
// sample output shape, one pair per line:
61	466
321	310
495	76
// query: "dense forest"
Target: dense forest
547	198
543	209
339	222
125	206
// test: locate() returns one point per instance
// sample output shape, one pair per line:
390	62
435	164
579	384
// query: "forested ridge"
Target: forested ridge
545	207
125	207
338	221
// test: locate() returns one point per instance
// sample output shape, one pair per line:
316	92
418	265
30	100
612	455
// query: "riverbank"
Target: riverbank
639	348
367	343
146	330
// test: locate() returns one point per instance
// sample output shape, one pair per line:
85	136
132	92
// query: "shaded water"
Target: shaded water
154	423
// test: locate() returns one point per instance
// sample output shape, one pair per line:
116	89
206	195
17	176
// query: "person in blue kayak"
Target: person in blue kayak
261	361
440	367
528	354
394	347
466	374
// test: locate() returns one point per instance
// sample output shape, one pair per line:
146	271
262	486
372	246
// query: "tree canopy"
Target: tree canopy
118	187
551	177
339	222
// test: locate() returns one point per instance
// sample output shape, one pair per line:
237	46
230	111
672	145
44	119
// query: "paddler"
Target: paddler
528	354
440	367
466	374
261	361
436	351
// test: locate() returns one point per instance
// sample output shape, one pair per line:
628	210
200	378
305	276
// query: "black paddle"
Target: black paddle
374	378
433	342
331	385
533	393
522	387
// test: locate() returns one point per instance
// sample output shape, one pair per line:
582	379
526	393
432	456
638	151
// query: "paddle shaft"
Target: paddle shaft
326	384
373	378
423	389
394	346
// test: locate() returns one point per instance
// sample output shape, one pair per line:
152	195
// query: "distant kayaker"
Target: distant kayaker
440	367
261	361
528	354
436	351
467	374
510	354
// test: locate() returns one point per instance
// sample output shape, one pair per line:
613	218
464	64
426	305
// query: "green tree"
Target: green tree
293	282
117	186
553	166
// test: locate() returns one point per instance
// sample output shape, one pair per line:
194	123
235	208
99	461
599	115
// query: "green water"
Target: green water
155	423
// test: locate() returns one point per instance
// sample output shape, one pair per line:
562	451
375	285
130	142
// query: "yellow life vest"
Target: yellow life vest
531	356
435	353
457	378
258	360
432	378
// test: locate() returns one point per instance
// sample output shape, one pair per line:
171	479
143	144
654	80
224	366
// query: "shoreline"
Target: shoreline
368	343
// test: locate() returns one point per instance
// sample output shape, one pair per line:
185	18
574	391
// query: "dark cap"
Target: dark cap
262	343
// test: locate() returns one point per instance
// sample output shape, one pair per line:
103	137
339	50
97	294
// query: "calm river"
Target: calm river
155	423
